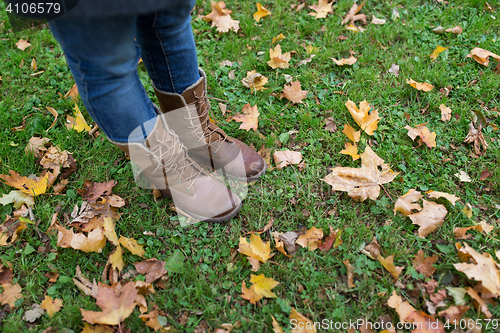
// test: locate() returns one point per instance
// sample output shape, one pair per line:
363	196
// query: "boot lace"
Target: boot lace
166	155
200	101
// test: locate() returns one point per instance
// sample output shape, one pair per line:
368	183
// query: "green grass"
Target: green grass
315	283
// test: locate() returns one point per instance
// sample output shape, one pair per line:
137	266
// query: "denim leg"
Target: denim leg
103	56
168	48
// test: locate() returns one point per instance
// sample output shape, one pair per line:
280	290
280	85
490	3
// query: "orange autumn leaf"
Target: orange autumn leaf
332	240
427	137
27	185
482	56
116	307
260	288
351	150
420	86
255	81
353	135
256	250
261	12
367	121
345	61
293	93
322	9
362	183
51	305
279	60
311	239
483	307
276	327
249	294
405	204
221	18
429	218
388	264
249	118
350	274
302	324
484	270
424	264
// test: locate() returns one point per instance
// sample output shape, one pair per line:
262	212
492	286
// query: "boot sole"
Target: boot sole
249	179
217	219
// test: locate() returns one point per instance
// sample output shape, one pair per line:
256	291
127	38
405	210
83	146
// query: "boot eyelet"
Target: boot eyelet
178	182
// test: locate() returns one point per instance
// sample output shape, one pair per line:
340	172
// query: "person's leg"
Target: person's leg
168	48
103	57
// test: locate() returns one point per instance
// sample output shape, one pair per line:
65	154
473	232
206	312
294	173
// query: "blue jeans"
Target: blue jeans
103	57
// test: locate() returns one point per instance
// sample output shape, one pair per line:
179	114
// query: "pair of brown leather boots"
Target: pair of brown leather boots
185	151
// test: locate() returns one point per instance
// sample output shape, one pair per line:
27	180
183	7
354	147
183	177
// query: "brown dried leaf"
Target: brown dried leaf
279	60
482	56
405	204
428	137
51	305
293	93
368	121
322	9
249	118
445	112
388	264
476	136
311	239
429	218
420	86
450	197
352	17
36	145
153	269
221	18
97	190
255	81
345	61
424	264
350	274
286	157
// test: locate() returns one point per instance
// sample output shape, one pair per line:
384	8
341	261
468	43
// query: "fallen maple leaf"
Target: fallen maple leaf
424	264
51	305
72	92
255	81
249	118
279	60
278	38
330	125
454	313
367	121
476	136
345	61
352	17
286	157
22	44
10	229
293	93
461	233
54	158
27	185
457	30
6	273
132	245
372	250
353	135
420	86
483	307
276	327
405	204
36	145
18	198
362	183
482	56
116	259
484	270
428	137
286	240
429	218
436	194
33	314
261	12
435	54
388	264
116	307
322	9
334	239
445	112
94	191
11	293
351	150
77	122
300	324
256	250
95	241
221	18
260	288
350	274
153	269
310	239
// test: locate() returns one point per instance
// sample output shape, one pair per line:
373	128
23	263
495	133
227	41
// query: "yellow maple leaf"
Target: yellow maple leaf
94	242
351	150
310	239
436	52
367	121
249	118
260	13
300	324
279	60
256	250
278	38
255	81
260	288
77	122
388	264
322	9
109	228
345	61
116	259
420	86
362	183
27	185
132	245
427	137
51	305
353	135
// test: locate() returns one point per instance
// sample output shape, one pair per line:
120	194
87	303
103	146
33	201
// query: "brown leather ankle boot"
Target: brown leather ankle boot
236	159
164	160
